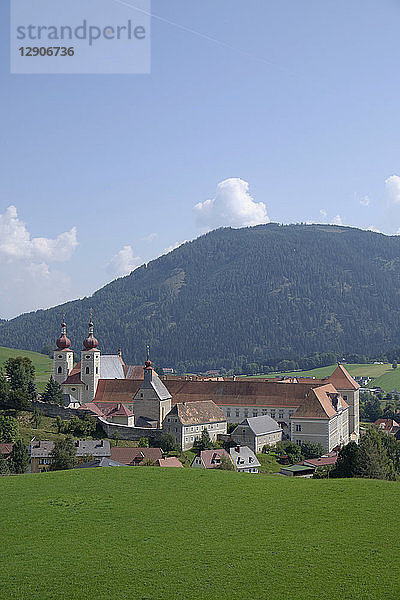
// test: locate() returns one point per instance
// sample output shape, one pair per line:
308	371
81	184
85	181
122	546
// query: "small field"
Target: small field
382	375
150	534
43	364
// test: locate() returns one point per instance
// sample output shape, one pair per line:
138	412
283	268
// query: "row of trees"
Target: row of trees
377	456
17	383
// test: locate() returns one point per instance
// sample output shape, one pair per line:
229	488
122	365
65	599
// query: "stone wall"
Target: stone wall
54	410
124	432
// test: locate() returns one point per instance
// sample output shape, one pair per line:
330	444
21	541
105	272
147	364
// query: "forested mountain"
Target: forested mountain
235	296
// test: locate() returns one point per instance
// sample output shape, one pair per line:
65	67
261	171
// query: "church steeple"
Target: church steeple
90	343
63	356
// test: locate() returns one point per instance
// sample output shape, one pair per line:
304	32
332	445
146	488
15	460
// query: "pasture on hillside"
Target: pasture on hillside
383	375
43	364
146	533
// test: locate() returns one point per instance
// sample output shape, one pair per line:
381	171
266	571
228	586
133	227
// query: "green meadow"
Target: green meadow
181	534
43	364
382	375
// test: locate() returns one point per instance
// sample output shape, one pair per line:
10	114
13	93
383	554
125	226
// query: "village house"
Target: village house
170	461
187	420
244	459
210	459
40	452
323	418
256	432
135	456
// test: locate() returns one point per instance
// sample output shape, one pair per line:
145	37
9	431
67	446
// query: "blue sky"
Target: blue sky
296	102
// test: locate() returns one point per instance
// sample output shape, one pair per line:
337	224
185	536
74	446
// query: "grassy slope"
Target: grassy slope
149	533
43	364
383	375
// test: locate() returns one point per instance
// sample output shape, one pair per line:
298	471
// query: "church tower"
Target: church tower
152	401
63	357
90	365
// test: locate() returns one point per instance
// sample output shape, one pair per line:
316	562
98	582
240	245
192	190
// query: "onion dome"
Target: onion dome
147	364
90	343
63	343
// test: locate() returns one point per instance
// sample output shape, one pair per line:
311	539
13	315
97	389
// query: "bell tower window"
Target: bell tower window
87	370
59	370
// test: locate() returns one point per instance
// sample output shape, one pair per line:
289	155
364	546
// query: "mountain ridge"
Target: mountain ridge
241	295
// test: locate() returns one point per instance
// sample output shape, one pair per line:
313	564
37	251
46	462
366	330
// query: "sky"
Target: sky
254	111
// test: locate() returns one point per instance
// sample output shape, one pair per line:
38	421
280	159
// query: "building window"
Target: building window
345	398
264	412
298	442
272	414
280	416
59	370
237	413
228	413
73	389
97	370
298	427
255	413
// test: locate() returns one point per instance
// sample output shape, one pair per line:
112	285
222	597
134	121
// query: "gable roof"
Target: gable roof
6	449
242	457
195	413
95	448
212	458
111	366
318	403
342	380
260	425
129	456
100	462
152	381
116	390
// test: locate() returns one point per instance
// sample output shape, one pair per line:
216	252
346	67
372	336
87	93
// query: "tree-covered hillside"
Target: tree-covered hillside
257	294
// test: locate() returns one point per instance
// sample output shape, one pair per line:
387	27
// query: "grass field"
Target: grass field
158	534
383	375
43	364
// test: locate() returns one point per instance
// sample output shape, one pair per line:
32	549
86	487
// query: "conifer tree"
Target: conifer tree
53	392
19	458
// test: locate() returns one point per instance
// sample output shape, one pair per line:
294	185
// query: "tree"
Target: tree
143	442
322	472
168	442
4	468
204	443
59	424
373	461
63	455
292	450
32	391
53	392
226	464
4	389
9	429
148	462
37	417
312	449
347	464
19	458
394	364
20	371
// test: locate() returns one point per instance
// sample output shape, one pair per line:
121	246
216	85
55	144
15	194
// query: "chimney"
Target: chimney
237	449
101	443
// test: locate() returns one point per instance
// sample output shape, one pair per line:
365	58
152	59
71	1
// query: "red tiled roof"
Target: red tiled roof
116	390
322	461
171	461
5	449
212	458
129	456
75	375
342	380
107	409
386	424
318	404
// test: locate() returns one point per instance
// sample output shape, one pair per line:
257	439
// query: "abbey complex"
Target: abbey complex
136	398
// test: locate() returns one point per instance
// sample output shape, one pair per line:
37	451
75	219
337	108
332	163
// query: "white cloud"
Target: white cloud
123	262
323	213
392	185
150	237
365	201
232	206
16	242
374	229
337	220
26	280
174	246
